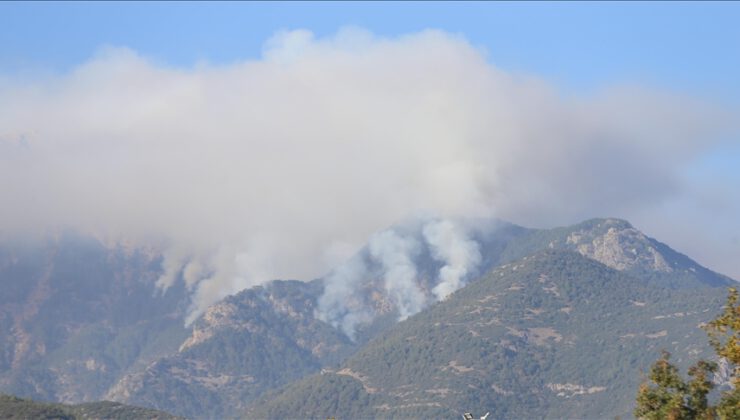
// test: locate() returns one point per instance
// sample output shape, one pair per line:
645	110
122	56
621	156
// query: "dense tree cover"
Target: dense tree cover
671	397
326	396
555	335
18	408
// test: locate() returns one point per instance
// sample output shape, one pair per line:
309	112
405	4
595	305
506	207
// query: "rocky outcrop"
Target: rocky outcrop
616	244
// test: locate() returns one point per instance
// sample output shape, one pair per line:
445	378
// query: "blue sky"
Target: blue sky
691	47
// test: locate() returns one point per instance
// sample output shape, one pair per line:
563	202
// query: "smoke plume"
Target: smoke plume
342	304
460	255
396	253
283	166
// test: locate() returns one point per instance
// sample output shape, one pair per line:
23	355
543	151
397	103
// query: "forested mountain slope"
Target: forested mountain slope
553	335
82	320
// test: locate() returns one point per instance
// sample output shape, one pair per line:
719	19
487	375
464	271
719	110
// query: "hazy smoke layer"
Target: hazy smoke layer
282	167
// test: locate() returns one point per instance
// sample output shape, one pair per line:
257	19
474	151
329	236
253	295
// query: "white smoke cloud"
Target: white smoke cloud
342	304
396	255
256	170
450	245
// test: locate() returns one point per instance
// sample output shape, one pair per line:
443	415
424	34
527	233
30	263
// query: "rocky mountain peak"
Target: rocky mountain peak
616	244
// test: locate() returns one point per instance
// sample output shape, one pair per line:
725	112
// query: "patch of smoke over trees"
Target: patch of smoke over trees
392	255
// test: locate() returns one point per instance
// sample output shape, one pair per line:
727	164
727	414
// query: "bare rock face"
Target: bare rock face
618	245
723	376
217	316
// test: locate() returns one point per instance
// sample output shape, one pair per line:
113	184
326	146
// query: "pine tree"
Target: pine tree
670	397
724	336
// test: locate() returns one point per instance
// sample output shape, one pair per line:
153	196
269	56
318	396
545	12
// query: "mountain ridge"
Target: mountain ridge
535	335
265	338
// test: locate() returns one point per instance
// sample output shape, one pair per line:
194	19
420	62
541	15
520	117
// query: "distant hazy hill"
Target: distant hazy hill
76	314
553	335
548	319
17	408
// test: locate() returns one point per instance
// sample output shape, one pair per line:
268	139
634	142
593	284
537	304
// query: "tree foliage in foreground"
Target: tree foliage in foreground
671	397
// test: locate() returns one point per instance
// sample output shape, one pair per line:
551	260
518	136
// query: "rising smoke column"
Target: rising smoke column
341	304
449	244
395	253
